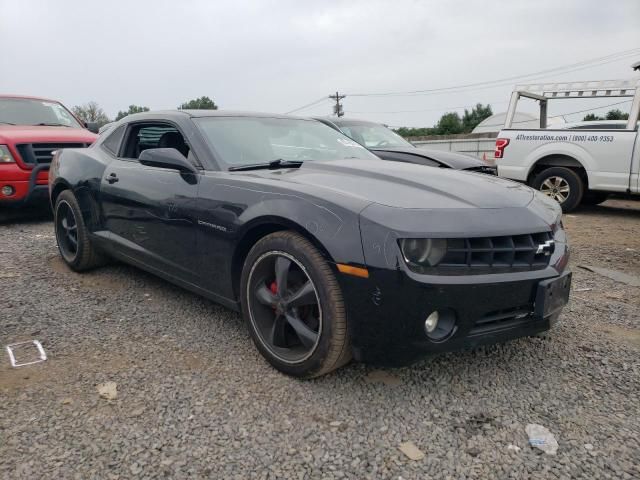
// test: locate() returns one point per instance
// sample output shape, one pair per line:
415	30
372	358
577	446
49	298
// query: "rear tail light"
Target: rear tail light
501	144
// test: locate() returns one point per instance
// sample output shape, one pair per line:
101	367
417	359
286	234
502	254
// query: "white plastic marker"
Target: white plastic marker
42	355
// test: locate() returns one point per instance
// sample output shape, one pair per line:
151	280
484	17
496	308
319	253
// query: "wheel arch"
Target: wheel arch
59	187
87	204
558	160
260	228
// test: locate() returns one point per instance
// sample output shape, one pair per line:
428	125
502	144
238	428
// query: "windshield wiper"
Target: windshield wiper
272	165
7	123
43	124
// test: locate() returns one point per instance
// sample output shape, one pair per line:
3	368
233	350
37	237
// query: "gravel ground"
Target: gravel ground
196	400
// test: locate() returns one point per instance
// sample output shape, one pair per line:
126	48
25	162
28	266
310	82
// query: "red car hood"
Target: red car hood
37	134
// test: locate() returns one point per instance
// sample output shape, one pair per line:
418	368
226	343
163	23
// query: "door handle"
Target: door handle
112	178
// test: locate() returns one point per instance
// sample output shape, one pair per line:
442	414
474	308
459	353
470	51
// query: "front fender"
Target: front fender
336	229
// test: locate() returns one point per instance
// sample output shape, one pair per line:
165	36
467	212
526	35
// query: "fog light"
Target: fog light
440	325
431	322
8	190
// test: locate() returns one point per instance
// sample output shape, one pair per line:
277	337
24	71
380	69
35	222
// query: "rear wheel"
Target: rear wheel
72	235
293	306
562	184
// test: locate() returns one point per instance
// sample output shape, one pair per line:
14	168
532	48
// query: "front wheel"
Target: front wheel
562	184
293	306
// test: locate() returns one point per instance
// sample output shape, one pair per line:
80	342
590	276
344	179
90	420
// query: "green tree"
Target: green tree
91	112
616	114
591	118
132	109
472	118
414	132
450	123
202	103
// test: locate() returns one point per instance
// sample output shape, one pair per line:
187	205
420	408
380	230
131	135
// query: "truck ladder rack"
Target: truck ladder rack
543	92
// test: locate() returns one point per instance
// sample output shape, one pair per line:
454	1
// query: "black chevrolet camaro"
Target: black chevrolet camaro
329	252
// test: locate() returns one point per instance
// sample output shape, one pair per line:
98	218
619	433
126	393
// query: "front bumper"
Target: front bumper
387	311
28	191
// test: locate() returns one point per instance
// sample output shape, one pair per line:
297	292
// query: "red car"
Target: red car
30	130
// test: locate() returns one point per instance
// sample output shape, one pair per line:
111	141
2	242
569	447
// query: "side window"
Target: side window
112	143
143	136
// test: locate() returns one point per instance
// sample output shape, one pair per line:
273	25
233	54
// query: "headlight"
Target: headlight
5	155
423	252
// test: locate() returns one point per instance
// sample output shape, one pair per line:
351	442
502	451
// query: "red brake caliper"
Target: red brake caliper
274	289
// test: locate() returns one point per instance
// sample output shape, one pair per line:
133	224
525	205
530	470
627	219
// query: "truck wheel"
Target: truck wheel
293	306
562	184
594	198
72	235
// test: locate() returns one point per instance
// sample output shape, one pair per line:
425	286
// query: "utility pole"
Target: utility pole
337	108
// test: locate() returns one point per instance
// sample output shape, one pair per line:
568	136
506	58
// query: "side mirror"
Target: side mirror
166	158
92	127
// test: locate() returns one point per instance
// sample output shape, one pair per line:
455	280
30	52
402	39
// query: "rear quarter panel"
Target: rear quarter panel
80	170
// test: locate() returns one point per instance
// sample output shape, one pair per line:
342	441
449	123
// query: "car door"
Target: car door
148	209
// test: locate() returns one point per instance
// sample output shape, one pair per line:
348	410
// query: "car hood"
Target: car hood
405	185
36	134
458	161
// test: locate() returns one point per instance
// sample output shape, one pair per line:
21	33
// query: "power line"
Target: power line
499	82
614	57
436	109
304	107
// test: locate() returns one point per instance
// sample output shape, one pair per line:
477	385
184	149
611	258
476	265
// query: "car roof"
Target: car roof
28	97
156	114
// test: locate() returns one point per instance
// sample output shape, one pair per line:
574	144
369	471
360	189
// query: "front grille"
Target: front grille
503	320
37	153
494	254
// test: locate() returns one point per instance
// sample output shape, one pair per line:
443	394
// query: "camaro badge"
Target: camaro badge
547	248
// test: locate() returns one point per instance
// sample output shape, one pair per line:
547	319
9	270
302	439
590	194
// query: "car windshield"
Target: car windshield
251	140
372	135
28	111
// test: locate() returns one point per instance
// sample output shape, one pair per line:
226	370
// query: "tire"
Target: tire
286	280
5	217
80	254
594	198
562	184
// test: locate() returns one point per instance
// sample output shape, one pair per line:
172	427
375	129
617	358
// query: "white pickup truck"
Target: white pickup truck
575	164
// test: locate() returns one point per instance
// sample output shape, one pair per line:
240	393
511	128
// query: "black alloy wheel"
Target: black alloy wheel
66	231
72	235
284	306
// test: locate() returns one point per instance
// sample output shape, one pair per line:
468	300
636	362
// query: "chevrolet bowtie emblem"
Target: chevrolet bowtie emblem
547	248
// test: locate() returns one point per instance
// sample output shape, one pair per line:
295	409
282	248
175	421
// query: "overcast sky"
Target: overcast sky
276	56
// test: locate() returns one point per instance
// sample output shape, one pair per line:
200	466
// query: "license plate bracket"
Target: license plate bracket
552	295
